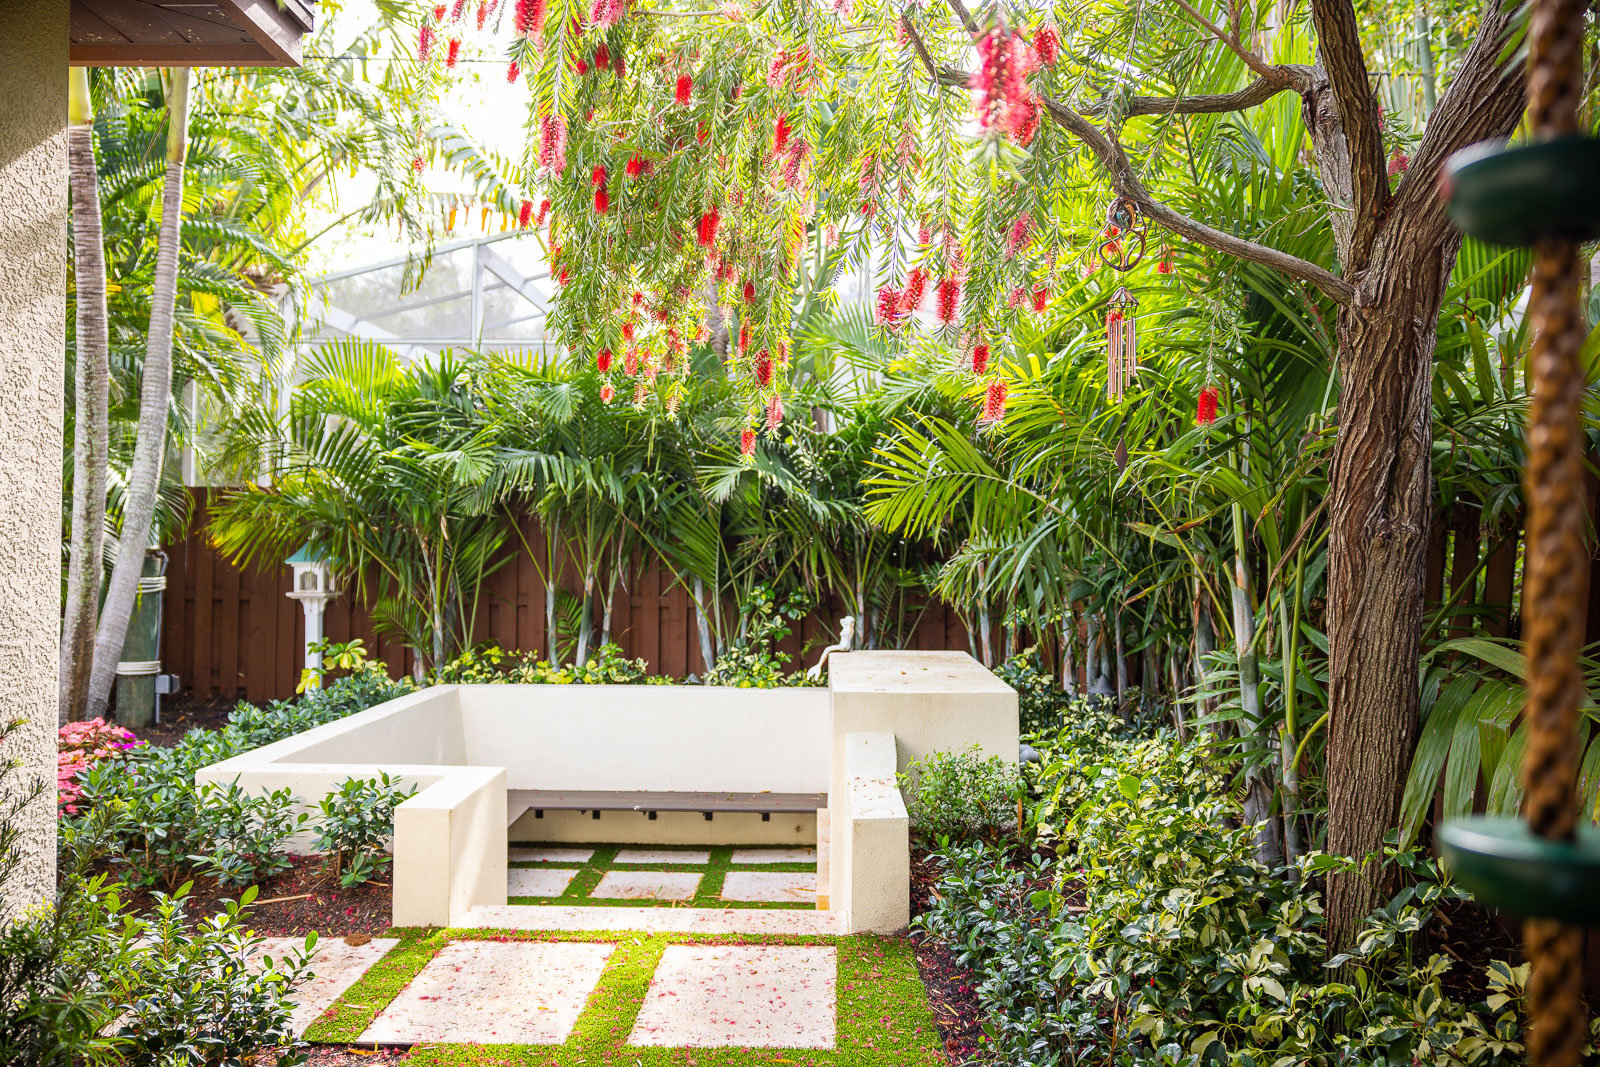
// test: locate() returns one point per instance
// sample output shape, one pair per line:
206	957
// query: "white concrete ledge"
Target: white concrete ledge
874	891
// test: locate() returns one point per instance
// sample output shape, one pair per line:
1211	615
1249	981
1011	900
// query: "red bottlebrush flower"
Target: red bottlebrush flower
525	214
780	135
607	391
453	56
708	228
544	212
417	164
749	292
1047	45
562	278
1017	297
513	71
980	358
1205	411
598	175
994	402
635	166
869	208
529	17
1398	163
761	368
1041	297
793	161
602	360
425	42
684	88
774	412
455	12
744	339
948	299
602	58
627	331
582	66
1022	122
889	303
1164	266
438	12
1019	235
747	442
830	236
916	288
619	65
702	133
483	13
553	144
630	361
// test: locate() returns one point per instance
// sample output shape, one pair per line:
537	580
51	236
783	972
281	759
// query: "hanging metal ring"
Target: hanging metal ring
1125	233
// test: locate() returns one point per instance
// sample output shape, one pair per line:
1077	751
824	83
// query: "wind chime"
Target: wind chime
1122	250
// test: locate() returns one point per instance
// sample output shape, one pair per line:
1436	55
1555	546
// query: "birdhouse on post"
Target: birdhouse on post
313	588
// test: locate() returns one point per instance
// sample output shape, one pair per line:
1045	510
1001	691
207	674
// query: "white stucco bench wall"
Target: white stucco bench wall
464	746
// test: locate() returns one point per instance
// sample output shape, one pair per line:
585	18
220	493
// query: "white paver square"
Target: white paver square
556	917
647	885
495	993
662	855
740	996
771	887
551	855
774	855
537	881
335	966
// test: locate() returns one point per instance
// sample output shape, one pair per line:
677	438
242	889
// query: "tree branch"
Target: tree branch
1339	53
1257	92
1249	58
1114	159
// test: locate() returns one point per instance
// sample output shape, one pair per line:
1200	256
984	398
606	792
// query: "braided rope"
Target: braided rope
1556	552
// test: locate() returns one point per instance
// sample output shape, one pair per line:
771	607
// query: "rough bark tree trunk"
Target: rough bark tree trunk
155	396
1377	544
91	427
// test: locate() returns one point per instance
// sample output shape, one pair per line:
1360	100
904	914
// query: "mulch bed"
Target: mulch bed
306	897
183	713
951	991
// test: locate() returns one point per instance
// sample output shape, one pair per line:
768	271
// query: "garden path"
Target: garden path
632	970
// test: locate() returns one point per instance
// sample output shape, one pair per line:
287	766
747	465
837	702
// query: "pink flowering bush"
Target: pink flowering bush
79	746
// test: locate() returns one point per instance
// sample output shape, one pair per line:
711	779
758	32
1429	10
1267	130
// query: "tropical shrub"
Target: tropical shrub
81	745
962	796
356	826
241	835
491	664
1154	935
1041	701
195	998
752	659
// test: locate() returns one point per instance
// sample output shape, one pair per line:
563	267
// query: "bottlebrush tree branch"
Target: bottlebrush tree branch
1257	92
1249	58
1356	108
1114	159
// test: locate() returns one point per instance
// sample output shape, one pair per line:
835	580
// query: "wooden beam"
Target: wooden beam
272	27
136	54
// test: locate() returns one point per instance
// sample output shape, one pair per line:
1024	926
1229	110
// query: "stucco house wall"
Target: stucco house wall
33	288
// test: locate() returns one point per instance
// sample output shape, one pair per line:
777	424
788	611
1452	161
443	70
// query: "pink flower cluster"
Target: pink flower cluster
79	746
1000	92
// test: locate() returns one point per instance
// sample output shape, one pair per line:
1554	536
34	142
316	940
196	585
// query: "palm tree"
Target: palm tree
155	396
91	393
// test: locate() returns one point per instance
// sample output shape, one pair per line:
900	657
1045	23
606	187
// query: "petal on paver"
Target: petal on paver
550	855
770	886
647	885
495	993
662	855
740	996
335	966
537	881
774	855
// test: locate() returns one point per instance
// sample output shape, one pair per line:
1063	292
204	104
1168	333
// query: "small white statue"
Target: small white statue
847	634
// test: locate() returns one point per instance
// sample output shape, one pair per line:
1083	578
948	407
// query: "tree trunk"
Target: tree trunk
1069	674
1377	543
553	566
586	620
91	425
707	656
155	397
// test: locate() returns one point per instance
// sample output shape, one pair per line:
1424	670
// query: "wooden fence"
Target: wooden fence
230	632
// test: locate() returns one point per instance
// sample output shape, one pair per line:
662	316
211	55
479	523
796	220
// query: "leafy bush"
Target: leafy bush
1041	702
752	659
356	825
1156	937
162	830
196	999
961	795
490	664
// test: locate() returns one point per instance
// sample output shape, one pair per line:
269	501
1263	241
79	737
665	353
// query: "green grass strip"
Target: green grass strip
349	1016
